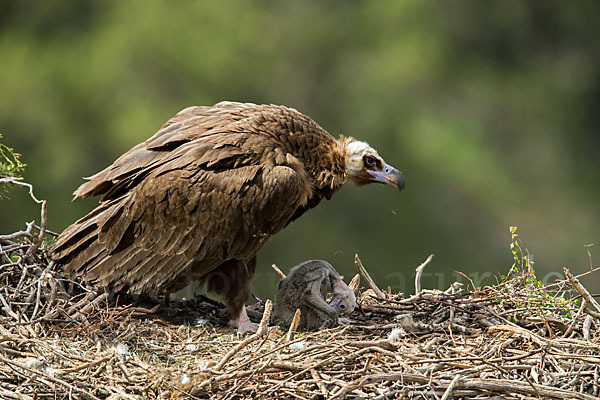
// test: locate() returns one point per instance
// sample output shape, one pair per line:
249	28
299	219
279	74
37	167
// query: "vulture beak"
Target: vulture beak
389	176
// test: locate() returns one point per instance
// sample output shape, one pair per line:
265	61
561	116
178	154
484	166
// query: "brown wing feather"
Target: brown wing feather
218	232
221	123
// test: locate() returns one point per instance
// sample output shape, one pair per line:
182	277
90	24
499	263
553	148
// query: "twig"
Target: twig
589	253
382	343
52	379
361	269
562	281
89	364
253	338
191	396
467	277
19	182
264	322
237	387
294	325
532	389
316	365
37	297
319	382
75	307
79	315
8	309
587	327
26	232
419	273
279	272
355	283
584	293
453	383
595	385
36	245
574	321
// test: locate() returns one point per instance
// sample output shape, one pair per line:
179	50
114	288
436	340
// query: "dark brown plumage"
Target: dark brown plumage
198	199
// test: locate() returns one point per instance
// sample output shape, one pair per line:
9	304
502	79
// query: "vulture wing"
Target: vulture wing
212	185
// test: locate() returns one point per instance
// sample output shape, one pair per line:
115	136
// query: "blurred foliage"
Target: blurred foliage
489	108
10	163
10	166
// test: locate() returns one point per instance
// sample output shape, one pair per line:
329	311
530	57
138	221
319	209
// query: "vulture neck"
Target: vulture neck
331	174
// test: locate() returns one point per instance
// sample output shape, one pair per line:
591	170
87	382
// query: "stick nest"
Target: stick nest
516	340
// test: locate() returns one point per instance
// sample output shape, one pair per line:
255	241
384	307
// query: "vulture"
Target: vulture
197	201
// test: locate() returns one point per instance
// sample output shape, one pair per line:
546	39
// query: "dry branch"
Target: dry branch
361	269
419	273
43	376
262	329
294	325
355	283
588	298
450	388
279	272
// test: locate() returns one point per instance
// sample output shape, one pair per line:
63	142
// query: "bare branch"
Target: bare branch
361	269
453	383
294	325
26	232
419	273
584	293
44	219
279	272
355	283
264	322
19	182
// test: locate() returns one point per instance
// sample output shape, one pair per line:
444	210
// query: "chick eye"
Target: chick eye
370	161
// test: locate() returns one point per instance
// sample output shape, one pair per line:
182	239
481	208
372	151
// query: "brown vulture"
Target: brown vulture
197	200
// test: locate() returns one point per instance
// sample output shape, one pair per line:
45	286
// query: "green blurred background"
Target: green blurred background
490	108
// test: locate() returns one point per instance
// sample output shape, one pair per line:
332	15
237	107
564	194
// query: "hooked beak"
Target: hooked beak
389	176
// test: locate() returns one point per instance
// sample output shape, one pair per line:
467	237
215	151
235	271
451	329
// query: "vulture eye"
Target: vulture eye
342	306
370	161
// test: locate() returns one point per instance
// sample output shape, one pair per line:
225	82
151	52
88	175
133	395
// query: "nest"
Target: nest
514	340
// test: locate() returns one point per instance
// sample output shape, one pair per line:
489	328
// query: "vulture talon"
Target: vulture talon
244	325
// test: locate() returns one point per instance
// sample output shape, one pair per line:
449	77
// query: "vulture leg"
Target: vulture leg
244	324
230	282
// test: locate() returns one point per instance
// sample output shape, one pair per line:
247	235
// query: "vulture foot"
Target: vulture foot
244	325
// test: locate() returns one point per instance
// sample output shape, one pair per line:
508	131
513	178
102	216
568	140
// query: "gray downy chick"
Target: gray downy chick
307	287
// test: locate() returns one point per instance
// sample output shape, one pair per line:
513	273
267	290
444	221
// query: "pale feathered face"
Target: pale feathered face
364	165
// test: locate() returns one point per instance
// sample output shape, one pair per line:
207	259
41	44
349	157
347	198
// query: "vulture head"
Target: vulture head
364	165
